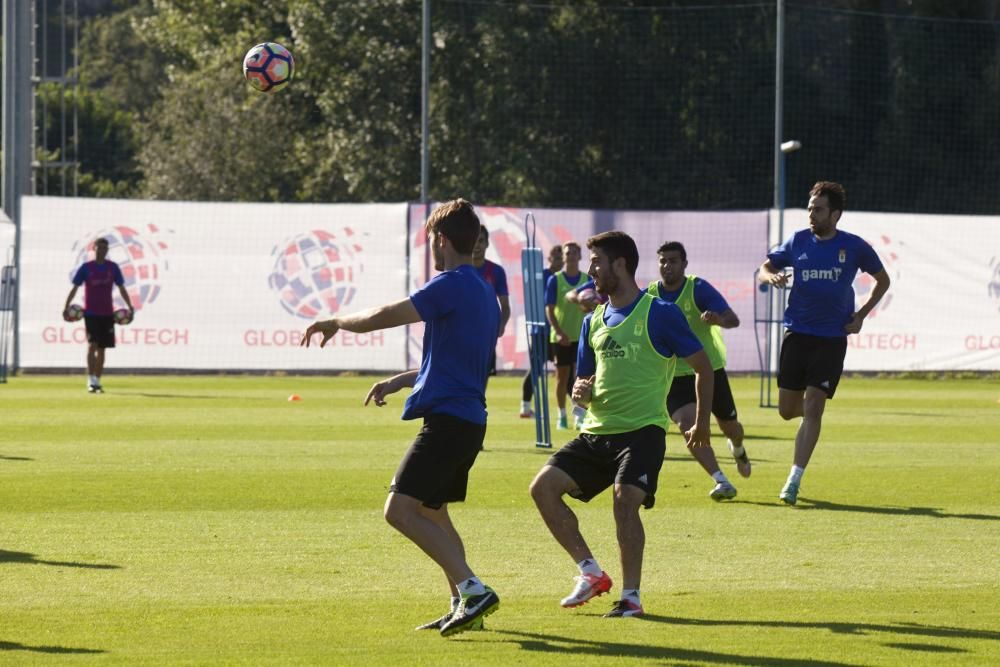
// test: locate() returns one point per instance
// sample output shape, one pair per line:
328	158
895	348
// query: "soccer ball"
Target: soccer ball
73	314
268	67
122	316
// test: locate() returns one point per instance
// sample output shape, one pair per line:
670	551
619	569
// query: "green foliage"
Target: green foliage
591	103
244	149
106	142
207	520
361	70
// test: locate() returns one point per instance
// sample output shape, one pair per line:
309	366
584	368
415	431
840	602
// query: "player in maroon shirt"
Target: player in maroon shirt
98	276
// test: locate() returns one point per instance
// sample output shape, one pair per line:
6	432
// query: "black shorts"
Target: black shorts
565	355
552	351
811	361
682	392
435	469
595	462
100	330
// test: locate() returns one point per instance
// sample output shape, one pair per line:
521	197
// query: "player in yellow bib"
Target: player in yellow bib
565	318
707	312
626	357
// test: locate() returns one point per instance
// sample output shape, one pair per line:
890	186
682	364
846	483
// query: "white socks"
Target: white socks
94	379
631	593
720	477
525	406
589	566
796	474
471	586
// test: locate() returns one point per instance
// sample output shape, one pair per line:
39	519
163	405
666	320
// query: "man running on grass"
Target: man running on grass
462	317
819	316
707	312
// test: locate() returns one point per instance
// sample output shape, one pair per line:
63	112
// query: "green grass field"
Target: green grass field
207	520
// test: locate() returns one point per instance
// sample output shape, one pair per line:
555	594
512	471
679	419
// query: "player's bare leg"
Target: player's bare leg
733	430
443	520
631	545
684	417
547	490
563	386
810	405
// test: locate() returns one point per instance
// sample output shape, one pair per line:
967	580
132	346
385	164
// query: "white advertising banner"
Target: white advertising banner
216	286
942	311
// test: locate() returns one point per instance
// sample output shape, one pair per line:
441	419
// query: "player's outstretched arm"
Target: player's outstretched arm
380	390
381	317
699	435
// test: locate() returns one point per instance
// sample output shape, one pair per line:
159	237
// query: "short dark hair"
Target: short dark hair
484	232
101	241
457	221
835	194
676	246
617	244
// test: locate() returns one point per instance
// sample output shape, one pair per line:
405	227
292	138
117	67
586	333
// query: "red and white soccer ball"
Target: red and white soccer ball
73	314
268	67
123	316
588	299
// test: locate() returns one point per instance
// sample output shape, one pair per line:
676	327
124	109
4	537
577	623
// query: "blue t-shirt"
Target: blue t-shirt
821	302
552	285
462	318
668	330
706	297
494	274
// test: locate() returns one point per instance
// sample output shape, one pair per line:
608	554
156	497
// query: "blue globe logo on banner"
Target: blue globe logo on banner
314	273
139	256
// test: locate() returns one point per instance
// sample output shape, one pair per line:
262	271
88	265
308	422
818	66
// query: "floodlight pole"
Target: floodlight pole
425	99
18	133
779	97
784	149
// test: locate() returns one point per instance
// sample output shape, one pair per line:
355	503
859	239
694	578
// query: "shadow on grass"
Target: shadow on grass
933	512
927	648
31	559
14	458
925	415
845	628
14	646
217	397
573	646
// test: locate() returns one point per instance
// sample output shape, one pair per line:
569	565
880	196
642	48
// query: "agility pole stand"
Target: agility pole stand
536	329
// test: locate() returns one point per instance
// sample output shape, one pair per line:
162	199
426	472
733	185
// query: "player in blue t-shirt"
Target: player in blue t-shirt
461	319
493	274
819	316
